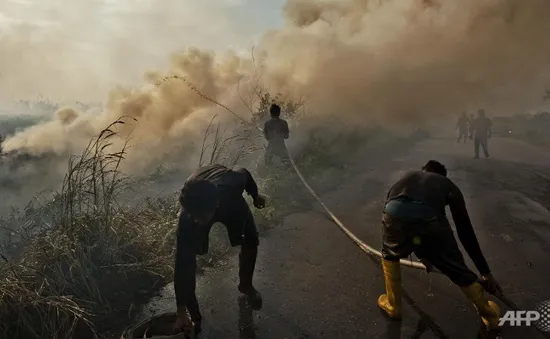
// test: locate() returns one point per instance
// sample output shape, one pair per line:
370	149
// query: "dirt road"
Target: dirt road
317	284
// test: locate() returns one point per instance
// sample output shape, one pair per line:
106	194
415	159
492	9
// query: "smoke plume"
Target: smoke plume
389	62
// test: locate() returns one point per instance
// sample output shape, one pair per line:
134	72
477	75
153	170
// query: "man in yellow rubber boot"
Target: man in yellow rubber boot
414	221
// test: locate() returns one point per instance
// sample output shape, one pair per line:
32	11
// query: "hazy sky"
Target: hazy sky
216	24
394	62
108	42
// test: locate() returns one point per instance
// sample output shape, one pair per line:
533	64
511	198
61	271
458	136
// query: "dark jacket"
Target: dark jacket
481	128
276	130
231	184
437	191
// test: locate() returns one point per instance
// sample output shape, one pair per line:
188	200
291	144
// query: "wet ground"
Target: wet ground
318	284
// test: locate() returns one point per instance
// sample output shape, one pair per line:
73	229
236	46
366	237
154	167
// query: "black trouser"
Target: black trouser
241	229
431	240
276	149
247	264
483	142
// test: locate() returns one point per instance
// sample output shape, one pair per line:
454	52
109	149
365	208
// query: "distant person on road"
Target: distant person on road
276	132
214	194
481	133
462	127
414	220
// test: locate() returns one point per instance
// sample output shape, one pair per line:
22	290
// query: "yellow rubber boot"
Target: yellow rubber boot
390	302
488	310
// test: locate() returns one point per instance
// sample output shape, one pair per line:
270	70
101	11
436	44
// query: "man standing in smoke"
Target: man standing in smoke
214	194
481	132
462	127
276	132
414	220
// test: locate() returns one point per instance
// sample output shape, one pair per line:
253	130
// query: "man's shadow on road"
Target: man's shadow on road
247	328
394	328
425	323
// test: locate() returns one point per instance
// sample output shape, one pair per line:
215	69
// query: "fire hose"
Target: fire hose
373	252
361	244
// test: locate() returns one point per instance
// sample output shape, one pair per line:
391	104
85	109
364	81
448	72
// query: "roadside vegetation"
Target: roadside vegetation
533	128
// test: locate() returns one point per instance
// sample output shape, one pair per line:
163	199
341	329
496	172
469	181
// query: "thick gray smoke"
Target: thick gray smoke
390	62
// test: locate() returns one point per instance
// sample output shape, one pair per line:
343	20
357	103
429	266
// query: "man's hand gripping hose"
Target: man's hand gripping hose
362	245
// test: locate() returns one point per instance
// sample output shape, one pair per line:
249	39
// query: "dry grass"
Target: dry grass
216	148
84	258
84	263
